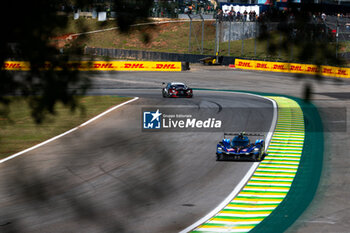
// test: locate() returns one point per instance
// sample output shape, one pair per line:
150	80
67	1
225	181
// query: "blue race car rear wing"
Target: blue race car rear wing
245	134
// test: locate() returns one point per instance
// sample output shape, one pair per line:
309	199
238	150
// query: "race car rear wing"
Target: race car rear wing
245	134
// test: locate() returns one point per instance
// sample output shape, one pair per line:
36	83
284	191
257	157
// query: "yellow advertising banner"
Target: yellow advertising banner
16	65
103	66
330	71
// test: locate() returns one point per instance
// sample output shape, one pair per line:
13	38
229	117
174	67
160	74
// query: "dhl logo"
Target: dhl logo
342	72
244	64
278	67
327	71
261	65
103	66
296	68
12	66
166	66
134	66
312	69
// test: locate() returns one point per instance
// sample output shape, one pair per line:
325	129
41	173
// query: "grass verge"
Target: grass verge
18	131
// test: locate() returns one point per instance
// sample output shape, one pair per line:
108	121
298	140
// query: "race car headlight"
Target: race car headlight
220	149
256	149
246	153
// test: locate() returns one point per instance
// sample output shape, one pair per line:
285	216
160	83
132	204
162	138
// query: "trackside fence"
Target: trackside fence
151	56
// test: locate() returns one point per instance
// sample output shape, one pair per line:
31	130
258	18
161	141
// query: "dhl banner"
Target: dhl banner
102	66
330	71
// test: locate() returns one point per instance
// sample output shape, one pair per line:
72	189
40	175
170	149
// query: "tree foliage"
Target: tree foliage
26	36
302	32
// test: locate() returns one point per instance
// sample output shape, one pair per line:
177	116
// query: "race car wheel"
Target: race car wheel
257	158
219	157
262	152
254	158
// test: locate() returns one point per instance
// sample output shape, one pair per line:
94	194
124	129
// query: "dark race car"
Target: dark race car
240	148
174	89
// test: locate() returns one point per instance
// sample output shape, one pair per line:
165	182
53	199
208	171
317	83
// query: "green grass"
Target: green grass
18	131
170	37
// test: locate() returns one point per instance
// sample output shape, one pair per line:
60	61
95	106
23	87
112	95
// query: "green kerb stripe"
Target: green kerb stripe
228	224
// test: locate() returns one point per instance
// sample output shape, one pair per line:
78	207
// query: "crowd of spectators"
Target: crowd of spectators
173	9
232	15
206	8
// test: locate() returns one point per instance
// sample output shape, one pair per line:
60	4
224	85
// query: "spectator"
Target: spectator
250	15
232	14
219	15
208	9
238	16
226	15
245	14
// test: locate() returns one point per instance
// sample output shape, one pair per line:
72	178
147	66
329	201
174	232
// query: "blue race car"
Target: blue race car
240	148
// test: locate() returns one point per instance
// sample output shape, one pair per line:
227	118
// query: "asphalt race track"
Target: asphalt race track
110	176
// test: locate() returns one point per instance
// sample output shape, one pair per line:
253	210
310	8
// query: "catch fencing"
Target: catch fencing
230	38
151	56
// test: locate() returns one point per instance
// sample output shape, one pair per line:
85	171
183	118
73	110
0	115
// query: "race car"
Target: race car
240	148
174	89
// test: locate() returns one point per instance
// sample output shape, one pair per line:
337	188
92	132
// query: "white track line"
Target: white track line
226	201
246	178
67	132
